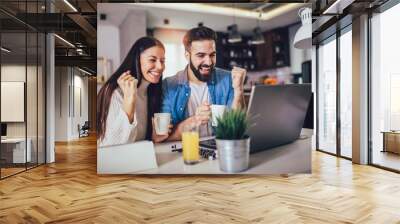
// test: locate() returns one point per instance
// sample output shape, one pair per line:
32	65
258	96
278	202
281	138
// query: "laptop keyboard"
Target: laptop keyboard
210	143
209	154
207	149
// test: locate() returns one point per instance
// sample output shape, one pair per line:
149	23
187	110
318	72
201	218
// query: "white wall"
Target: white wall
15	72
297	56
61	103
131	29
174	50
78	118
108	47
33	126
68	81
116	35
84	84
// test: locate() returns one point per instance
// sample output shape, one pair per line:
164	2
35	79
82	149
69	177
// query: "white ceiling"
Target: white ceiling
187	19
116	13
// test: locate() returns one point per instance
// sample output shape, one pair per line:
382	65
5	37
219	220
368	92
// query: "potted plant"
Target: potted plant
233	144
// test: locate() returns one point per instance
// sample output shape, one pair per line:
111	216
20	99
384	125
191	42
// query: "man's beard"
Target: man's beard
197	73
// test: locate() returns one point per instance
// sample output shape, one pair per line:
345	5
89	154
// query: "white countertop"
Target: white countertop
291	158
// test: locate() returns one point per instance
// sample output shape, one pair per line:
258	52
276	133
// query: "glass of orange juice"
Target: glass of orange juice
190	144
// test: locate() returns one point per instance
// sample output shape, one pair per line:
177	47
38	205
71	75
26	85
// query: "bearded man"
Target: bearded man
189	94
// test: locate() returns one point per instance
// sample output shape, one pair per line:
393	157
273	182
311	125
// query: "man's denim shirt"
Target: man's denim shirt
176	93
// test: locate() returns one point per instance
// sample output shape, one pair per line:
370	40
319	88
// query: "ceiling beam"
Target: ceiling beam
83	61
91	5
84	24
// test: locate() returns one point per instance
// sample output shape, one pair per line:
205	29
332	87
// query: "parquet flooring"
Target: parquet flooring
10	171
70	191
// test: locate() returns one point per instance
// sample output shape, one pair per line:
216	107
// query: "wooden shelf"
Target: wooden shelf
238	54
274	53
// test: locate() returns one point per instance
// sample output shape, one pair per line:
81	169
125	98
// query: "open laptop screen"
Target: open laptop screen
276	114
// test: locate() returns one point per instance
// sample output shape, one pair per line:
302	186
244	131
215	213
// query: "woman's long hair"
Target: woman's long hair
132	63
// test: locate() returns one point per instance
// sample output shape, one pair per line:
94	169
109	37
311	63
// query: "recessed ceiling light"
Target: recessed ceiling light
84	71
64	40
5	49
70	5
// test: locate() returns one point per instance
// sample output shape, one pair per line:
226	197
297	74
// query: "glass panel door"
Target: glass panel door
327	96
385	89
22	88
13	88
31	99
346	94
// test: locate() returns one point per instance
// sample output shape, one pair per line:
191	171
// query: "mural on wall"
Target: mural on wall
147	124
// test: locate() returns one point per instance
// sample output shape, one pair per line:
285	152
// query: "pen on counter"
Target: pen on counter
174	149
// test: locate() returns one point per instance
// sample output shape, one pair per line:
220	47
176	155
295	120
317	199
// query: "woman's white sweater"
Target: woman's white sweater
118	128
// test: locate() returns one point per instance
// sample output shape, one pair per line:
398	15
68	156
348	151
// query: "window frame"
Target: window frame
378	10
333	37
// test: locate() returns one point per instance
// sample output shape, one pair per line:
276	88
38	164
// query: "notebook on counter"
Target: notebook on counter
127	158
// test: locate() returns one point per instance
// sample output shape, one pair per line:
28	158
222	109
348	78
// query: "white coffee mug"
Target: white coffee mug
161	123
216	111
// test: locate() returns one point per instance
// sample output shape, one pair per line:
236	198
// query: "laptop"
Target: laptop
276	115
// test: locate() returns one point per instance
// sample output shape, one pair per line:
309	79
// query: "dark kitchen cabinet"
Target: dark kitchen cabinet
240	54
275	52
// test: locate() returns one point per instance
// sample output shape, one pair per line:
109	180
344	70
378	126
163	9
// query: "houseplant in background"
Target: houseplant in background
233	144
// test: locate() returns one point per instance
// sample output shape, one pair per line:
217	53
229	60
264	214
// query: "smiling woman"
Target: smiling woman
129	99
152	63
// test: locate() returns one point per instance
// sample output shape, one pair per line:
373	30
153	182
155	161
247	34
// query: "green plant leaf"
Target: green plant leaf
232	125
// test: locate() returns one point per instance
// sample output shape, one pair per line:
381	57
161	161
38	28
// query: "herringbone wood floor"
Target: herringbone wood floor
70	191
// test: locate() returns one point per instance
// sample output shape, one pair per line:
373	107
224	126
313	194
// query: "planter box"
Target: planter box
391	142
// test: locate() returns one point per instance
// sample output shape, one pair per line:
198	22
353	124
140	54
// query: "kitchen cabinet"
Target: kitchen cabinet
275	52
240	54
